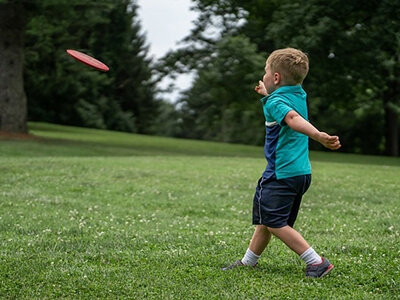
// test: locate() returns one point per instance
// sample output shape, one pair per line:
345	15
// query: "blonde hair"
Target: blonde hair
291	63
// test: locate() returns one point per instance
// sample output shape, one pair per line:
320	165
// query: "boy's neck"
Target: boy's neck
277	87
282	85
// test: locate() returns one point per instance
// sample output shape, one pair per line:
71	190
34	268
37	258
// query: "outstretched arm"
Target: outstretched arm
299	124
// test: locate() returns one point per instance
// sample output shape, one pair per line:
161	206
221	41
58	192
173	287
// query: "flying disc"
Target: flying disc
88	60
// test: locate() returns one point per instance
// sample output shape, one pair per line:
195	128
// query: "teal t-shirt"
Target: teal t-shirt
285	149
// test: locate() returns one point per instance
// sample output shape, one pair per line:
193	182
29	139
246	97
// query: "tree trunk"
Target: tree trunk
391	132
13	106
223	124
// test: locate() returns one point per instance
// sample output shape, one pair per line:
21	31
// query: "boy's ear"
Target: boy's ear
277	78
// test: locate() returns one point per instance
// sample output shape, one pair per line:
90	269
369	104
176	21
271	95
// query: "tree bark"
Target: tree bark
13	104
391	132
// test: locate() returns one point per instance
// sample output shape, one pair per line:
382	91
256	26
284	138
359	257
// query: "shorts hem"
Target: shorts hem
271	225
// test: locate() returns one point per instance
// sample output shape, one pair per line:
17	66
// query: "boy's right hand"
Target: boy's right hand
261	88
330	142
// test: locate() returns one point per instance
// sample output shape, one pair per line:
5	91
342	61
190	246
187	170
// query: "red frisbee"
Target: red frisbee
88	60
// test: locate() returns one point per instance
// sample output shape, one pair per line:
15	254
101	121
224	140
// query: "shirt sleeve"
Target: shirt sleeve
278	110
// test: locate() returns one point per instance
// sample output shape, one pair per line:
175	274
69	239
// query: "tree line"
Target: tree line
353	83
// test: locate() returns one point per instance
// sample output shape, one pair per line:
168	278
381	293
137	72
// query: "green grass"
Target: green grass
96	214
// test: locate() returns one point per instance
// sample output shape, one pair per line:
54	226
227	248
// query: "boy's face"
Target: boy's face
271	81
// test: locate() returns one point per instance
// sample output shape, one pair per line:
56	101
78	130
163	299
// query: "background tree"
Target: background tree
60	90
354	67
13	115
222	105
353	84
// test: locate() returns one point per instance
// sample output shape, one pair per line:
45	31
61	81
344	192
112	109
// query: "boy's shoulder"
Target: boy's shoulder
283	100
286	93
293	94
290	91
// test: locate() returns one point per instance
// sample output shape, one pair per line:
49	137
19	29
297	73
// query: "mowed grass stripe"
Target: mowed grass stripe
58	140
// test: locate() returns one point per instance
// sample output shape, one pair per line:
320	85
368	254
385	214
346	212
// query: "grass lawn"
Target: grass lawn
88	214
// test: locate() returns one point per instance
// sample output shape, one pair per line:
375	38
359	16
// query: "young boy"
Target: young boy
288	173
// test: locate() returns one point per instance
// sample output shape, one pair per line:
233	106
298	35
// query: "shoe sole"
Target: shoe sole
330	268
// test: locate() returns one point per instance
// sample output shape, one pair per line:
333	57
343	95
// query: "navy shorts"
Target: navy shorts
277	202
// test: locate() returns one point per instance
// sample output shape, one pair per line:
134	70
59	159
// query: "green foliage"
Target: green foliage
352	50
61	90
354	62
169	121
217	107
90	226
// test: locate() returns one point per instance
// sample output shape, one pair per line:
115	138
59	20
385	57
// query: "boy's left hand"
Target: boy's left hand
330	142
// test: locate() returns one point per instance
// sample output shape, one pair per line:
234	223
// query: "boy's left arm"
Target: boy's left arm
299	124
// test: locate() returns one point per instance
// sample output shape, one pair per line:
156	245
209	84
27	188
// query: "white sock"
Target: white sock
250	259
310	257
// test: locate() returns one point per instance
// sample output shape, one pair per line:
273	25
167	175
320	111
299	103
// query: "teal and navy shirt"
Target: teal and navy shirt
285	149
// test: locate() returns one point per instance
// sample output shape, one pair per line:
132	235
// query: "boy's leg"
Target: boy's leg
298	244
260	239
316	266
291	238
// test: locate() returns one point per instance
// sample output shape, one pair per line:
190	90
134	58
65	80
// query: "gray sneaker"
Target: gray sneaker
319	270
236	264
